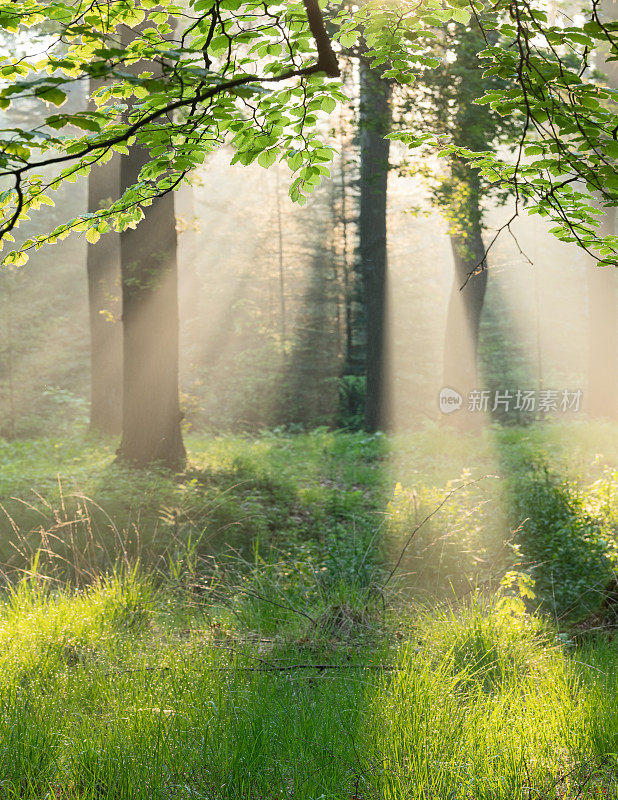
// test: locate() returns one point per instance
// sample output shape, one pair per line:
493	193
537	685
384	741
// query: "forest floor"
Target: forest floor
312	617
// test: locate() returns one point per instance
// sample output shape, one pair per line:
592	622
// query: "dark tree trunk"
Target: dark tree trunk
151	413
103	267
375	118
347	269
464	316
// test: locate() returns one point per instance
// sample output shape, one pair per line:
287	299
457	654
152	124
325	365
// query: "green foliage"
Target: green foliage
89	513
207	91
351	413
461	545
568	552
217	695
248	73
489	646
561	118
560	531
353	500
441	103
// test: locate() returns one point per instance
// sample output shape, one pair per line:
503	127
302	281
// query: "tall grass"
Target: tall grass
110	692
291	667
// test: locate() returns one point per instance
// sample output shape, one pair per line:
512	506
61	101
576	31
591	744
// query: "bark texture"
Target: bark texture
151	431
375	118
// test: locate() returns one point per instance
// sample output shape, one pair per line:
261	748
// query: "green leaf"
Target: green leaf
328	104
58	121
51	94
267	158
92	235
461	15
295	161
611	148
348	39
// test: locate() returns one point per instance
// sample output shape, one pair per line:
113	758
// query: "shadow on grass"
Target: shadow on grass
279	491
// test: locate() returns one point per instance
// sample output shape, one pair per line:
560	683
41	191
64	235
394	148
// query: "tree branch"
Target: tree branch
327	60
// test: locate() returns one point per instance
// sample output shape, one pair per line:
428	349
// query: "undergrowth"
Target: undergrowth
312	617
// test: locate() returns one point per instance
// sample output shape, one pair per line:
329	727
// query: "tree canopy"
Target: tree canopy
260	75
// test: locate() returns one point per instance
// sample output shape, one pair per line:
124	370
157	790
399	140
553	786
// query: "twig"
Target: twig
427	518
267	668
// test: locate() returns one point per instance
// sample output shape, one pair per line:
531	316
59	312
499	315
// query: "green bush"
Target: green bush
562	546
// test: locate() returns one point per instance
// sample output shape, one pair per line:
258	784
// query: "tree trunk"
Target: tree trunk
151	412
464	316
602	395
375	117
103	268
151	433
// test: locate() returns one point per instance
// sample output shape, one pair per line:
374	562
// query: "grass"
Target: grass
118	692
236	632
275	488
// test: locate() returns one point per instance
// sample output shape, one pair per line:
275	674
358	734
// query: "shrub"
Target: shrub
563	547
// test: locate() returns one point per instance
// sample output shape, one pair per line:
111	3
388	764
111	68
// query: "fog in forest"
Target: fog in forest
262	306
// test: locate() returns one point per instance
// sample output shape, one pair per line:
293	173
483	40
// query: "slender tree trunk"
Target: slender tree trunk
345	250
103	268
464	315
602	395
335	279
375	117
282	318
151	412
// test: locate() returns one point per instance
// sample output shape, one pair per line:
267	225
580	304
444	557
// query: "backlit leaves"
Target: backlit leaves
191	77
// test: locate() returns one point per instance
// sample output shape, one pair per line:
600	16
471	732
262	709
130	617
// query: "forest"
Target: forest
308	400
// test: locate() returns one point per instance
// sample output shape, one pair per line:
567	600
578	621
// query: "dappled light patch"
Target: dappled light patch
487	645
